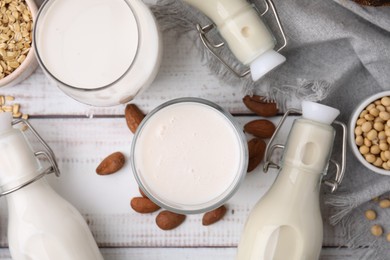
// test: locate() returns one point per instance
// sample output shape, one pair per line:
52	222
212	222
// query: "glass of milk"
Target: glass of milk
99	52
189	155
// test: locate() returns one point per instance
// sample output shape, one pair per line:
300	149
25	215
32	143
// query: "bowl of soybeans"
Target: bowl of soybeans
369	132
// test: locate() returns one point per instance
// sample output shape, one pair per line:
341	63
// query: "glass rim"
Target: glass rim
46	5
214	202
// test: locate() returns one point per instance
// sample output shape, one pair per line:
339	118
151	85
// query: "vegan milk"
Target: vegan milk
87	44
188	153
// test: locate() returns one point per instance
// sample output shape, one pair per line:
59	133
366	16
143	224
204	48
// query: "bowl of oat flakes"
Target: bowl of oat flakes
369	132
17	58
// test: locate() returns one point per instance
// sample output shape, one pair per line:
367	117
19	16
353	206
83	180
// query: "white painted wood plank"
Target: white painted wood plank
182	74
206	253
80	144
193	253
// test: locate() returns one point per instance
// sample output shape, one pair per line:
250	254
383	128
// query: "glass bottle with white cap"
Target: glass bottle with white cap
41	224
245	33
286	223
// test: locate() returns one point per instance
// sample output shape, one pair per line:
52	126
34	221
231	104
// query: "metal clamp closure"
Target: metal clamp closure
271	148
48	154
212	47
340	168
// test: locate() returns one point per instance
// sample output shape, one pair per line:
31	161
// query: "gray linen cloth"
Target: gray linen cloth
338	53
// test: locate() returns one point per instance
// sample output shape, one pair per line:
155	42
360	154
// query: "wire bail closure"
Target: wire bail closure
340	169
212	47
47	153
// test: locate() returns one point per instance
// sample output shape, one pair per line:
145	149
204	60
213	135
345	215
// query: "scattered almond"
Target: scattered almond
143	205
256	149
262	128
111	164
260	105
167	220
214	216
133	116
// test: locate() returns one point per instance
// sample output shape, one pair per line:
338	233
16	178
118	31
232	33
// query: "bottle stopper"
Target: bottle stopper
319	113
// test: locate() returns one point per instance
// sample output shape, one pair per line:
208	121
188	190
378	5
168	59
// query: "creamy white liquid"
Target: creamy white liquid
188	154
87	43
286	223
41	225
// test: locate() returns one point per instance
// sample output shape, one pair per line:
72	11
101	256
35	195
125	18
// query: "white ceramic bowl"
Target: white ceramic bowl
351	132
29	64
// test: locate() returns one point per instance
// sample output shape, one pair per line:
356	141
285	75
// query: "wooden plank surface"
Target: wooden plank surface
182	74
80	144
104	200
82	135
194	253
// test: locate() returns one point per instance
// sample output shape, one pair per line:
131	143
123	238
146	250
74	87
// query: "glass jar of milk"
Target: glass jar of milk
99	52
189	155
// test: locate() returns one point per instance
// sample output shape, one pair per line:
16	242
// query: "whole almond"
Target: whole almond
260	105
143	205
213	216
262	128
133	116
111	164
256	149
167	220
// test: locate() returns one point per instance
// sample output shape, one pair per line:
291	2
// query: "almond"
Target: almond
262	128
167	220
133	116
260	105
256	149
214	216
111	164
143	205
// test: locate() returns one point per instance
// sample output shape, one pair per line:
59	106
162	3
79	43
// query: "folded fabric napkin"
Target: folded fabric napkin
338	53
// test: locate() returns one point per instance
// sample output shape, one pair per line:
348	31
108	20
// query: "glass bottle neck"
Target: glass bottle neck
295	182
309	146
18	163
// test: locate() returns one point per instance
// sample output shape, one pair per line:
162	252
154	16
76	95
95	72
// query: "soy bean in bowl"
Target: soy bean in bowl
369	132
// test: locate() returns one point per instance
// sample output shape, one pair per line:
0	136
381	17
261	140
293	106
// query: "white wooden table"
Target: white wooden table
82	135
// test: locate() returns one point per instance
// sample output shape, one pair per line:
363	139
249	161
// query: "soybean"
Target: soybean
370	214
384	204
372	133
376	230
385	101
